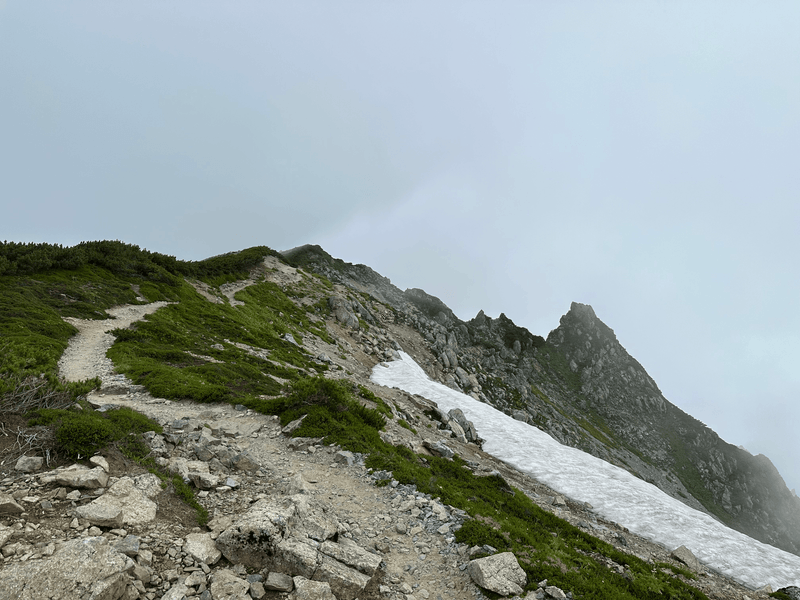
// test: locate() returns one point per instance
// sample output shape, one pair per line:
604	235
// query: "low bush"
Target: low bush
82	433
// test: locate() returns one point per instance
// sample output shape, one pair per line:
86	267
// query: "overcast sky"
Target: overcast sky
641	157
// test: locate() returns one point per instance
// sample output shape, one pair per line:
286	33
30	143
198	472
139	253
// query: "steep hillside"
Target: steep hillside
582	387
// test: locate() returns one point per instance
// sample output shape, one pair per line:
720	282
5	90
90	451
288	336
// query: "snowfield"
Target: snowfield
614	493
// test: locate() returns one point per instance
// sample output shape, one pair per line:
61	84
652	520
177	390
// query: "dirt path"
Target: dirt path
85	356
419	562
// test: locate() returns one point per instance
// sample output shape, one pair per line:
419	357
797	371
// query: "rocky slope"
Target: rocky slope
293	517
582	387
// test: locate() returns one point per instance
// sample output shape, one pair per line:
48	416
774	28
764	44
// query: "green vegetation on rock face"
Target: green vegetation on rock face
215	352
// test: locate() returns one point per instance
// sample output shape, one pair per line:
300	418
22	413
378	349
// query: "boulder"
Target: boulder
252	540
278	582
177	592
8	506
458	431
499	573
135	506
346	583
684	555
201	547
82	568
226	585
78	476
353	556
28	464
457	415
439	448
295	556
245	461
792	591
101	515
305	589
101	462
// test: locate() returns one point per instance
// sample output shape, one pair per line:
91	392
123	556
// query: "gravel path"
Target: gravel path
85	356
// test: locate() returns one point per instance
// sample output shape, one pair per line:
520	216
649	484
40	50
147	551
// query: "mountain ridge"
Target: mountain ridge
250	340
597	399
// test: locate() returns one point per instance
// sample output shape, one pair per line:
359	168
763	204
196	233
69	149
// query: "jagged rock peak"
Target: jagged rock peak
583	312
580	321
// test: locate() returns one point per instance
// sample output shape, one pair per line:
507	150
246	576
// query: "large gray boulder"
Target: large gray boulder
201	547
252	540
225	585
28	464
101	515
78	476
82	568
352	555
684	555
9	506
305	589
499	573
135	507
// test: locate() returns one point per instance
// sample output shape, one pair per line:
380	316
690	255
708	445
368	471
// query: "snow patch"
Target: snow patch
613	492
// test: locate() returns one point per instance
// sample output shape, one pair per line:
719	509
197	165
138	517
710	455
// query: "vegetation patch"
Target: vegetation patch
80	434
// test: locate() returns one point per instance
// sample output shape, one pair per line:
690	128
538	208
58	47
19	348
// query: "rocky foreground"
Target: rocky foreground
289	517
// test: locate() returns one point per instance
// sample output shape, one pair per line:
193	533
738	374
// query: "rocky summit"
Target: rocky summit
238	449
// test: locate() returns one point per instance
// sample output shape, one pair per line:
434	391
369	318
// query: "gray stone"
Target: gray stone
8	506
352	556
344	457
317	526
29	464
684	555
245	461
85	567
195	579
458	431
257	590
278	582
520	415
102	515
136	507
204	481
792	591
129	545
555	593
99	461
499	573
225	585
346	583
254	537
305	589
296	484
149	484
201	547
439	448
177	592
78	476
295	556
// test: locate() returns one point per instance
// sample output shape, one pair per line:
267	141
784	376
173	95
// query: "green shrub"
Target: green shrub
82	433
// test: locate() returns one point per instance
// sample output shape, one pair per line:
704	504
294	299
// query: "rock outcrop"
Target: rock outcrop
582	387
